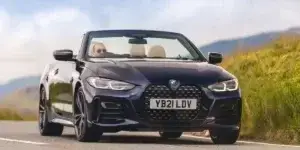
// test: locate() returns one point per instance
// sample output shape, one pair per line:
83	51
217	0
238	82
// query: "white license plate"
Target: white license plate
173	103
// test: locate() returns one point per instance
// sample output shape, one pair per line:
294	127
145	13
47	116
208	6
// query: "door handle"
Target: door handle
56	71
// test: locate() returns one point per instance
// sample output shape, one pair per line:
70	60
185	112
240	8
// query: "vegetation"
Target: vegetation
20	105
270	82
11	114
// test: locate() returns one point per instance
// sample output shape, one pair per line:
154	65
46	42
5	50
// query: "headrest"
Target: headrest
157	51
137	50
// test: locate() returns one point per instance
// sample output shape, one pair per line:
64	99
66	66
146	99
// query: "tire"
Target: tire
170	135
83	132
47	128
223	136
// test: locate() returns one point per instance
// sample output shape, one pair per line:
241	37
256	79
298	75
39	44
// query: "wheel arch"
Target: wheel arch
77	85
40	90
42	86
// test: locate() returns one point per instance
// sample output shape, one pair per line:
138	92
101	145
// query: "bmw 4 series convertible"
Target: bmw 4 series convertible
139	80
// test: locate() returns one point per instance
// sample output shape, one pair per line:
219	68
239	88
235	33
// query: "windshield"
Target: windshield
140	46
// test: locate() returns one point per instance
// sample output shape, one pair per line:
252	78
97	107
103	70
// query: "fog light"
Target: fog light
210	118
228	106
110	105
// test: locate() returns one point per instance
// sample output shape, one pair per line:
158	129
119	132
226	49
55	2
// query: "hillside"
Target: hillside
227	46
270	82
21	104
18	83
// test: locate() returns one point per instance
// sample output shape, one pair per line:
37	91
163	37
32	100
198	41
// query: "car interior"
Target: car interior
136	50
139	50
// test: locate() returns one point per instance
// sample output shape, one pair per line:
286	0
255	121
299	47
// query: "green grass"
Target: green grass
270	82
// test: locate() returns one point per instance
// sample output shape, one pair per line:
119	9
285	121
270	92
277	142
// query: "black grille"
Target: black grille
162	91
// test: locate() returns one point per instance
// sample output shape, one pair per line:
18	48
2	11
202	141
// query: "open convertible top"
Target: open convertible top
132	31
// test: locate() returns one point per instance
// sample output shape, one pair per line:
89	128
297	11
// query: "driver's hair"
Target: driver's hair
94	48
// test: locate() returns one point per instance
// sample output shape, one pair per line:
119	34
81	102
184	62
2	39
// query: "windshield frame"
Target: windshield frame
194	51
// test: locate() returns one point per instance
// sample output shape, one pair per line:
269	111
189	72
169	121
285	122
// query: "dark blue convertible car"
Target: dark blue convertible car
139	80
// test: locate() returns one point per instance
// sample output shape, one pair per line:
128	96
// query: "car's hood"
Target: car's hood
160	71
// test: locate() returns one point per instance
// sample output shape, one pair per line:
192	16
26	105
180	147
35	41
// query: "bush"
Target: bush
270	82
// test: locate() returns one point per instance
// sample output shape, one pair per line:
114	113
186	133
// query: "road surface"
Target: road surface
18	135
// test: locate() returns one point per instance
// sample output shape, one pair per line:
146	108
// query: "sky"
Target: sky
31	30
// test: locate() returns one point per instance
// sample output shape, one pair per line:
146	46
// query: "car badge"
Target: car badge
174	84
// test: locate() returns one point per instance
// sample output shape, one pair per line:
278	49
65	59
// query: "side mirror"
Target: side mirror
214	58
63	55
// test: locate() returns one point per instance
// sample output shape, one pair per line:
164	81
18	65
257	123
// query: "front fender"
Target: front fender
44	79
78	77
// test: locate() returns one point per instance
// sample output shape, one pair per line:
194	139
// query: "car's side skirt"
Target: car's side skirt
63	122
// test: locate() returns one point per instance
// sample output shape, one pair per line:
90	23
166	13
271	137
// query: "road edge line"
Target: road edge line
22	141
247	142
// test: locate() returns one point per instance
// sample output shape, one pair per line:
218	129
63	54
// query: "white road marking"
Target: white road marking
22	141
247	142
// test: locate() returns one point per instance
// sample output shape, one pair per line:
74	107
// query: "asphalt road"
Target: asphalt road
17	135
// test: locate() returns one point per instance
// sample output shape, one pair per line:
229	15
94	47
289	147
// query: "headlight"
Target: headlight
103	83
229	85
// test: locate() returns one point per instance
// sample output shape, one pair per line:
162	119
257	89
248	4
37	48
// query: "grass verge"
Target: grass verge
270	82
11	114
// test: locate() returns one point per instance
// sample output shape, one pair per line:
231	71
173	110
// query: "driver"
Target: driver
98	50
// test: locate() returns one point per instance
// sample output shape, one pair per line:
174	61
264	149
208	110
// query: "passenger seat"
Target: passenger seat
157	51
138	50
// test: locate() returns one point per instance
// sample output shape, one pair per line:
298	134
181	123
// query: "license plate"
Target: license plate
173	103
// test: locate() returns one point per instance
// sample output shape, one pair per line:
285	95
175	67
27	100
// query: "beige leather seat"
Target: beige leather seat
157	51
138	50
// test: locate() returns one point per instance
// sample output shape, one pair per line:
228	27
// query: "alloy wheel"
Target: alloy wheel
79	114
42	110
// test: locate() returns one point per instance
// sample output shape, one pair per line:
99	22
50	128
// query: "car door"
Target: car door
64	89
55	82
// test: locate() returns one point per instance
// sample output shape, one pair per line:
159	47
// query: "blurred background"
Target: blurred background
260	40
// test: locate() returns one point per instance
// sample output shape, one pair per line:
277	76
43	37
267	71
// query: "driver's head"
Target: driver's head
98	50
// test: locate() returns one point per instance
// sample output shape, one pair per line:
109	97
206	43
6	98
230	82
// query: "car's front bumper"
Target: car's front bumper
124	111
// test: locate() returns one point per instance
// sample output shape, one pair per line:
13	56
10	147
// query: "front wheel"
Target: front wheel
224	136
170	135
83	132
